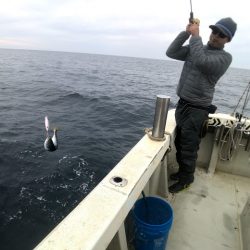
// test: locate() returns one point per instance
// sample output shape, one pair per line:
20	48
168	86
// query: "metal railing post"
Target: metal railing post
160	118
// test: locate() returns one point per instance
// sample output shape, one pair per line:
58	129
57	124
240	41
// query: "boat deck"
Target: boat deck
206	216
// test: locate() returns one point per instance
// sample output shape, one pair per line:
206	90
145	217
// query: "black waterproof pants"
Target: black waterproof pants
189	121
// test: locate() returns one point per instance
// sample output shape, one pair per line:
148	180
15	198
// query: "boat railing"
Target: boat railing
98	221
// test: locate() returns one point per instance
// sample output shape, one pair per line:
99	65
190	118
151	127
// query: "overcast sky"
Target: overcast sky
138	28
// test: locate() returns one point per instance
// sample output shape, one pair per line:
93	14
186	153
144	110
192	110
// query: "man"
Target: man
204	65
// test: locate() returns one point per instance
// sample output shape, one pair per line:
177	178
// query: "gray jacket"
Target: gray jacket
202	69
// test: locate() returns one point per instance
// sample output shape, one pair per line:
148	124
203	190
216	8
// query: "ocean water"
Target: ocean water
100	104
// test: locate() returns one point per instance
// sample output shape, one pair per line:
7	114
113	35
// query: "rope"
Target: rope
233	136
229	142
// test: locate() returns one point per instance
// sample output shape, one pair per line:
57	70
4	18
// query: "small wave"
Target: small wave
24	192
68	98
68	159
5	140
41	198
16	216
28	153
87	98
73	96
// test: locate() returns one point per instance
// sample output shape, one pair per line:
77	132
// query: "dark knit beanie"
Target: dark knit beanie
227	26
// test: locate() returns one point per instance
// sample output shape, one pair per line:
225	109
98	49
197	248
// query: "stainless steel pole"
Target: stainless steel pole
160	118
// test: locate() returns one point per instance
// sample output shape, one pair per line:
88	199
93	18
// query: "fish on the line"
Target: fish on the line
51	143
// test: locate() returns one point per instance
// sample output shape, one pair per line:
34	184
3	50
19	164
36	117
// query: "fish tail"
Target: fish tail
46	121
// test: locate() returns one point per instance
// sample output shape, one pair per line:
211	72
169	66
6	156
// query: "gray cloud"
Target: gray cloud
134	28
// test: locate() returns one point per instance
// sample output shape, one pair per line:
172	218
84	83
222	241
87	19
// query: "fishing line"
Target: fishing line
246	91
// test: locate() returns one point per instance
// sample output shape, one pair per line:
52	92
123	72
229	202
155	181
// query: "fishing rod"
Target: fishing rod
191	17
247	97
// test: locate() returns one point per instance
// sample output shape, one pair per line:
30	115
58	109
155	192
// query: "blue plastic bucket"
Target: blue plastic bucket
153	219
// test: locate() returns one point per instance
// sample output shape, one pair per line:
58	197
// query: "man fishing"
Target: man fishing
203	67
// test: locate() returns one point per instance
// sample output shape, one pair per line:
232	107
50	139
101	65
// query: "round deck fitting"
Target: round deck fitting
118	181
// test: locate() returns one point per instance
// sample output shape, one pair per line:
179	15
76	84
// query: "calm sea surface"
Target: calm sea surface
100	104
